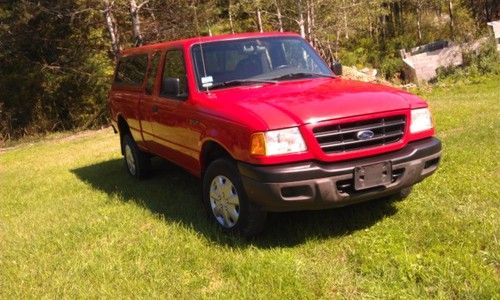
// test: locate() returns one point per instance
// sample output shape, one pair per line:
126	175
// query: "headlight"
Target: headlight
420	120
276	142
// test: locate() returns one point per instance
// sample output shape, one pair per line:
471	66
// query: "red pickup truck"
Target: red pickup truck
268	126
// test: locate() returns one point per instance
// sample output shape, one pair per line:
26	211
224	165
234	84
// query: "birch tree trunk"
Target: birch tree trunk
195	15
308	19
278	14
346	27
384	26
301	19
330	52
419	29
112	29
259	19
452	25
230	17
337	44
209	29
313	19
136	23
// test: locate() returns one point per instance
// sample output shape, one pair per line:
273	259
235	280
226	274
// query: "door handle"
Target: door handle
154	108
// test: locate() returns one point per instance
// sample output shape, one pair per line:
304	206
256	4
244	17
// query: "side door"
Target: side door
151	91
174	135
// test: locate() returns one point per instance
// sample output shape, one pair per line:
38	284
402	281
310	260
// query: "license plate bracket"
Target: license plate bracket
373	175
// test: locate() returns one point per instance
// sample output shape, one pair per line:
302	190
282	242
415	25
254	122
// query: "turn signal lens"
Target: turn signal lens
258	144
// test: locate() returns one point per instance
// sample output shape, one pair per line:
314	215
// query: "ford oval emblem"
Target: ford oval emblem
364	135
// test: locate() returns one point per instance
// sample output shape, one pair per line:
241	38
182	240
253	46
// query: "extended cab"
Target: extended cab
268	126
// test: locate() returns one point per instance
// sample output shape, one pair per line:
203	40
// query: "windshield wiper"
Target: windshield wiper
238	82
303	75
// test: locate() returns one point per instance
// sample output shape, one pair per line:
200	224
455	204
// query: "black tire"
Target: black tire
139	163
251	219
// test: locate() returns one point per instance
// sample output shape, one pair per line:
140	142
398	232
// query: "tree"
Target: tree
112	28
300	20
57	56
278	15
136	20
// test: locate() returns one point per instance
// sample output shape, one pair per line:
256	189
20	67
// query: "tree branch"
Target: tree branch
142	4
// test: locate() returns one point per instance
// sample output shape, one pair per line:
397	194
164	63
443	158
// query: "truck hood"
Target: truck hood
293	103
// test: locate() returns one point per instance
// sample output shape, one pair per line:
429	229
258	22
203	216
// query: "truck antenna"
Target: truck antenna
203	63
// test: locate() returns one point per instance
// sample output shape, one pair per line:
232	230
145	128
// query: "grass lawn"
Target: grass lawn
73	224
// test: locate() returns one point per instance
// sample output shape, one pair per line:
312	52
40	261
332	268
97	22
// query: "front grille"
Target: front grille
343	137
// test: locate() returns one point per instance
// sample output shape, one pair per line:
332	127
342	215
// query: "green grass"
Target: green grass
73	224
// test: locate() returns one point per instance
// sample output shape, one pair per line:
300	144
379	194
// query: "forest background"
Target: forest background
57	56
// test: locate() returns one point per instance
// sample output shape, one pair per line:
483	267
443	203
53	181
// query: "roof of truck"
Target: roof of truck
202	39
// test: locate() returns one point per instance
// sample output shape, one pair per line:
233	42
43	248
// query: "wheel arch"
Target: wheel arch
123	129
210	151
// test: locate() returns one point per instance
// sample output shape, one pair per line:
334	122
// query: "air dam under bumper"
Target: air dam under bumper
315	185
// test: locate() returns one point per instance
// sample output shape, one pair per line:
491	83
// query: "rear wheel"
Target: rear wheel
136	161
226	202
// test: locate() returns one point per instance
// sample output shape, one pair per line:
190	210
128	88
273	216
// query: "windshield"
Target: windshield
256	60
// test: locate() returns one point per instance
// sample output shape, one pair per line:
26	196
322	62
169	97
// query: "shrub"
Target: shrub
391	66
485	61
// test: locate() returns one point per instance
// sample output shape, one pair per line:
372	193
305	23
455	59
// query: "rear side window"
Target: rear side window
131	70
153	69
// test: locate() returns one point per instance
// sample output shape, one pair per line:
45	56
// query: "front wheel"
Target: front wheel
226	202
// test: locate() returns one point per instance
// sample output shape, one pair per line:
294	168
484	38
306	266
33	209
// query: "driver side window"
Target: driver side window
297	55
174	81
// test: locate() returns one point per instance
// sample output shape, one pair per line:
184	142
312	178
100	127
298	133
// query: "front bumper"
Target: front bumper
315	185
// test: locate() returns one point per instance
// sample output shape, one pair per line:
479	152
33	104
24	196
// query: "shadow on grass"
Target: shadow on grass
174	194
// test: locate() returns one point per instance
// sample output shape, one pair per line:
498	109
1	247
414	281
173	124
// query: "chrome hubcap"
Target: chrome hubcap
224	201
129	157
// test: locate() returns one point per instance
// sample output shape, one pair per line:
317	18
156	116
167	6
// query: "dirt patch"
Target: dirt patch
80	134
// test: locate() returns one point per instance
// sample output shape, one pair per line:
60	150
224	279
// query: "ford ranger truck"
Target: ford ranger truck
267	126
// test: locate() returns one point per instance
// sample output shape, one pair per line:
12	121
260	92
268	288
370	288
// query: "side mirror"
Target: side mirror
170	87
336	67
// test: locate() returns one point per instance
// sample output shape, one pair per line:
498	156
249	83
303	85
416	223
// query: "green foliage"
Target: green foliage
391	66
487	60
484	62
348	58
73	224
56	58
55	71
